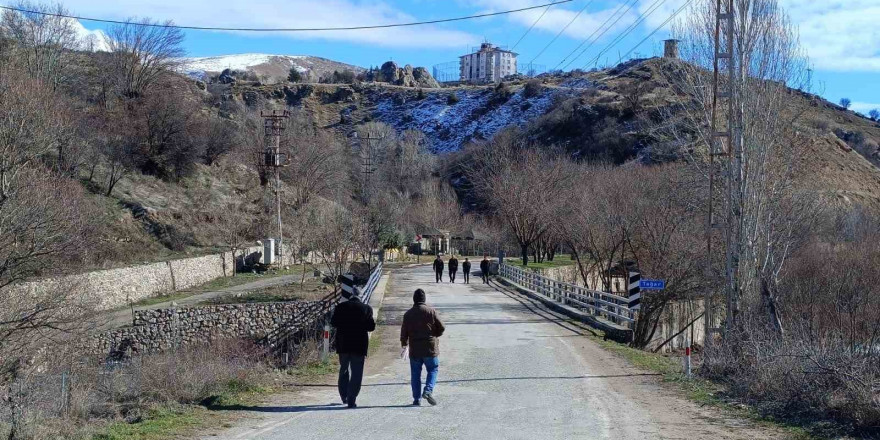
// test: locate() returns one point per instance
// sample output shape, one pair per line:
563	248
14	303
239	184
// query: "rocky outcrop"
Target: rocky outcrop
407	76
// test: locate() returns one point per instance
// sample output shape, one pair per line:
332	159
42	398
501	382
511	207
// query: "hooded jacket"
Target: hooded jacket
421	329
438	265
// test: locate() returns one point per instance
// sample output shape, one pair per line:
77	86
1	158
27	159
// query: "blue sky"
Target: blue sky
842	37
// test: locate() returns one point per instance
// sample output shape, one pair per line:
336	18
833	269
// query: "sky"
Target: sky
841	37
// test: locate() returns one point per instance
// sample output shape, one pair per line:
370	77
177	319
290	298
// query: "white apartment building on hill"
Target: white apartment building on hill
489	64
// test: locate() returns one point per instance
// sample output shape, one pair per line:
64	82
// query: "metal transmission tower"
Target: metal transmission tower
723	138
273	125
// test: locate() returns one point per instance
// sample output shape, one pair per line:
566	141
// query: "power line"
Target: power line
599	36
561	31
674	14
530	27
625	33
344	28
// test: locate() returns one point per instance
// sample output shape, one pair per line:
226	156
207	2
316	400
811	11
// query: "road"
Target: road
508	370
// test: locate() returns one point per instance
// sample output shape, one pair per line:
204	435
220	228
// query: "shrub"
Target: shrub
533	88
420	94
294	75
452	99
845	103
874	115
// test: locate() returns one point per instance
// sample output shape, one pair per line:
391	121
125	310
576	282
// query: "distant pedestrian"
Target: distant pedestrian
438	269
420	331
484	268
453	268
466	271
353	321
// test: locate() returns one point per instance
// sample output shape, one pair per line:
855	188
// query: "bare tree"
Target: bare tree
757	203
44	37
336	237
521	185
142	52
315	157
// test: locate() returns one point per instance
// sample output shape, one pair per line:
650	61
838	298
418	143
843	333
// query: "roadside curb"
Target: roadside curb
378	297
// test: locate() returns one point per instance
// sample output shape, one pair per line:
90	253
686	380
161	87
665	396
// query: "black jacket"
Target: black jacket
453	264
484	267
438	265
466	266
353	321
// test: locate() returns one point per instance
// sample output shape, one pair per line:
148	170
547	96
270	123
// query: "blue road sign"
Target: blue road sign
652	284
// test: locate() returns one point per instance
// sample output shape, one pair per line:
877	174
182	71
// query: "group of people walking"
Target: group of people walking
465	267
419	338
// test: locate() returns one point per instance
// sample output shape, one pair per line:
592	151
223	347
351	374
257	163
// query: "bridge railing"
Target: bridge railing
604	304
371	283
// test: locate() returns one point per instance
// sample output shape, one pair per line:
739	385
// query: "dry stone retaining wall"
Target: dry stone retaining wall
161	329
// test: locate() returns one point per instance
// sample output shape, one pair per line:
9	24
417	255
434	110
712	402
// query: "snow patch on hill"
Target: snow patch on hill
450	126
200	66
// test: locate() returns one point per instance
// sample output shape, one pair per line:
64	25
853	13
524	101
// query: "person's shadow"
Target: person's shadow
300	408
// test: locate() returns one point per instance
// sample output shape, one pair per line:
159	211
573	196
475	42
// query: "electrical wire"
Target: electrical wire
625	33
530	28
615	14
674	14
561	31
344	28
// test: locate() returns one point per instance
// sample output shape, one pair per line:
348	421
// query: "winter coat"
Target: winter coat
453	264
466	267
438	265
484	267
420	330
353	321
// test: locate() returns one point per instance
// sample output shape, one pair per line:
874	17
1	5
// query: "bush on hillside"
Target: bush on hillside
452	99
532	88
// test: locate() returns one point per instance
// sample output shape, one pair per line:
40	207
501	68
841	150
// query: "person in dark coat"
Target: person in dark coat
438	269
353	321
453	268
466	271
484	268
420	331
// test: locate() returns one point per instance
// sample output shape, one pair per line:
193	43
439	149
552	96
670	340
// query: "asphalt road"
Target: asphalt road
508	370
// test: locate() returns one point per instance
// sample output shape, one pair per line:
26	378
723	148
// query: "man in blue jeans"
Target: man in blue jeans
420	331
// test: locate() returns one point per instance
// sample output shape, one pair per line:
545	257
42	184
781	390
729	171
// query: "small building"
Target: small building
487	65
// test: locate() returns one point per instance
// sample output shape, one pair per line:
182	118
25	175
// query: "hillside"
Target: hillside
267	67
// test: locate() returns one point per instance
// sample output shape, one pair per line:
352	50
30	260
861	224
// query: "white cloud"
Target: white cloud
90	39
286	14
839	35
864	107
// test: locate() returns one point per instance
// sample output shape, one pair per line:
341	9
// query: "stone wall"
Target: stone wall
115	288
161	329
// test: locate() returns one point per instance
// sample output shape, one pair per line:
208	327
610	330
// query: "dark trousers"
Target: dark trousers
467	277
485	277
351	373
452	275
439	275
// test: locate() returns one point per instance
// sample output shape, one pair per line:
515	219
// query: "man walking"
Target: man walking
420	331
453	268
466	271
438	269
484	268
353	321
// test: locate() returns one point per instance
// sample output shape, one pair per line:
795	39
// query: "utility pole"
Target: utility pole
367	170
273	125
722	139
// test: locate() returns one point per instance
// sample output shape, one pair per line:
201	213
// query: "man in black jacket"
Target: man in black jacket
466	271
353	321
484	268
453	268
438	269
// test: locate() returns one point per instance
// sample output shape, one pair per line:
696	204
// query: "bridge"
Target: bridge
510	368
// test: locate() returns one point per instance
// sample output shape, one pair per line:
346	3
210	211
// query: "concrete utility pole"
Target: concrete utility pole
722	141
273	125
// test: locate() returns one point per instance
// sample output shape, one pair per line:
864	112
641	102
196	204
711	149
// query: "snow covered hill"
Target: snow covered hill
269	66
476	114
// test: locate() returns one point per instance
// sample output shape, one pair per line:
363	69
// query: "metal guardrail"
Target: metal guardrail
367	293
598	303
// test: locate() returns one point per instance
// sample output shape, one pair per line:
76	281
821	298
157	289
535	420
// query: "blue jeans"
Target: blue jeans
415	366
